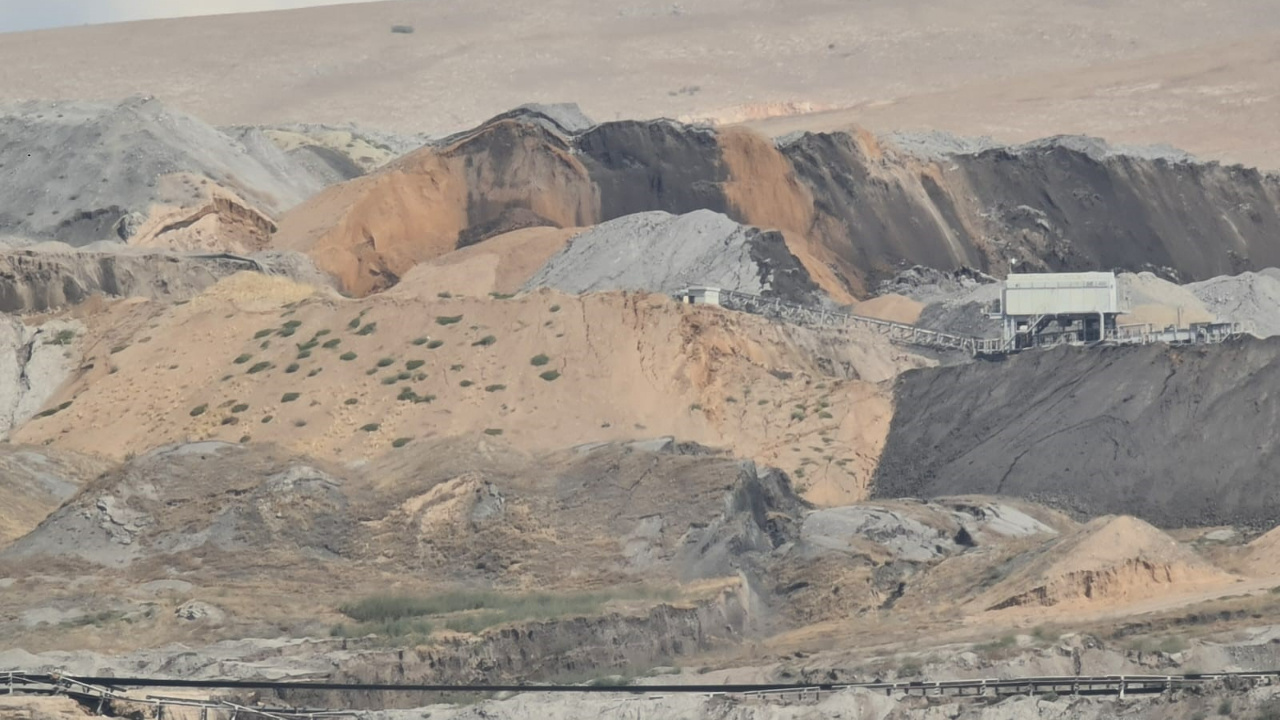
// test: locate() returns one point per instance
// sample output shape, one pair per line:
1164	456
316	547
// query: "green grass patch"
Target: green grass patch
797	415
322	332
434	344
259	367
414	364
555	308
400	442
421	341
64	337
265	344
266	419
390	380
292	368
455	368
263	333
485	341
539	360
308	345
444	295
371	427
119	349
501	296
466	383
55	410
550	375
355	322
331	344
368	329
493	431
494	388
448	319
242	359
824	415
303	355
289	397
386	362
287	332
239	408
231	420
199	410
348	356
292	324
351	401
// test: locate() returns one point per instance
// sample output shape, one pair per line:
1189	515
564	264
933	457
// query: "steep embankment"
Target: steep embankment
1176	436
852	211
137	171
345	379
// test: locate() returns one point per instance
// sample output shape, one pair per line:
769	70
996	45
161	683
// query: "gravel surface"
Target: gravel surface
1252	299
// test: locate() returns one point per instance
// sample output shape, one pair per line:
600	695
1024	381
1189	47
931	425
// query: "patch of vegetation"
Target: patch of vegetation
455	368
550	375
239	408
390	380
762	402
119	349
293	324
299	423
198	410
399	630
355	322
287	332
445	295
308	345
797	415
242	359
485	341
289	397
420	377
448	319
267	418
371	371
292	368
322	332
331	344
259	367
244	439
368	329
231	420
400	442
555	308
494	388
263	333
493	431
370	427
351	401
1224	707
421	341
55	410
265	344
386	362
695	407
303	355
64	337
466	383
539	360
501	296
414	364
824	415
348	356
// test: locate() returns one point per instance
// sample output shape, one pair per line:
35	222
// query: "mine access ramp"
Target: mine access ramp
1035	332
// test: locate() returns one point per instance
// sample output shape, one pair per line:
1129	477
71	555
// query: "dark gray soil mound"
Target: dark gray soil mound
1176	436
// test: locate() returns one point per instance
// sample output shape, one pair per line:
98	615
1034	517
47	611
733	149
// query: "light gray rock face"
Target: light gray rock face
1252	299
661	252
34	362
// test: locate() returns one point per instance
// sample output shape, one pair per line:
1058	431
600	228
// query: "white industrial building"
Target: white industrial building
1048	308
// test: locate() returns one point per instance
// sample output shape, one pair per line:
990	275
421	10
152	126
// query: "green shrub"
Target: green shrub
355	322
455	368
371	427
824	415
63	337
263	333
303	355
371	371
198	410
414	364
555	308
308	345
289	397
445	295
390	380
259	367
119	349
299	423
322	332
385	362
287	332
265	344
368	329
539	360
348	356
266	419
485	341
231	420
493	431
55	410
550	375
331	344
501	296
421	341
448	319
239	408
292	368
434	344
762	402
242	359
797	415
1224	707
350	401
400	442
494	388
293	324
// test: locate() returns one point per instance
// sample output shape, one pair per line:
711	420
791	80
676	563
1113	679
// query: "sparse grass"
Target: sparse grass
420	377
263	333
299	423
355	322
199	410
485	341
539	360
550	375
456	367
265	344
267	418
493	431
242	359
350	401
259	367
1224	707
368	329
555	308
292	368
421	341
386	362
55	410
910	668
695	407
762	402
331	344
473	611
303	355
400	442
824	415
466	383
398	629
289	397
308	345
321	333
293	324
390	380
370	427
494	388
414	364
287	332
371	371
501	296
434	344
239	408
119	349
448	319
64	337
797	415
348	356
231	420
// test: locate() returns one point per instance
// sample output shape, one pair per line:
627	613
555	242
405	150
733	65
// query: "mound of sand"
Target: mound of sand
664	253
1111	560
891	307
35	482
1148	299
1252	299
85	172
1262	554
268	360
500	264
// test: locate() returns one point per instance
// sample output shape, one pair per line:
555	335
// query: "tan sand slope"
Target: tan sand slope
35	481
891	307
1112	560
264	359
1202	75
498	265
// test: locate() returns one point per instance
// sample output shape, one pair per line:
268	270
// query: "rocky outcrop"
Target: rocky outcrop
1176	436
853	211
34	362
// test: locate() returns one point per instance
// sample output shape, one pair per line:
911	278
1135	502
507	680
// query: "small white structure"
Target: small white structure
1046	308
700	296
